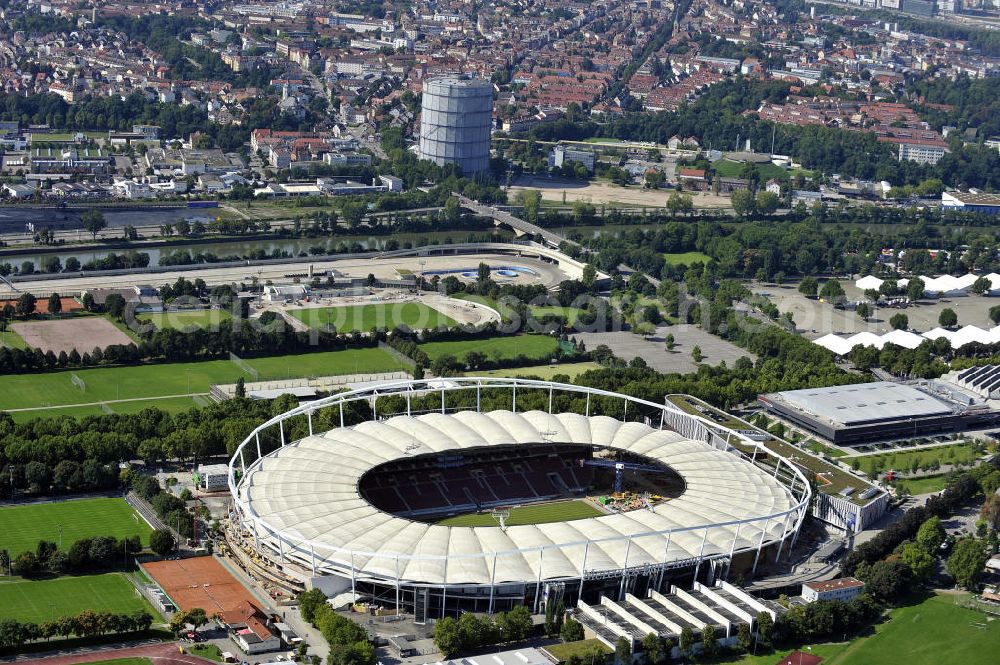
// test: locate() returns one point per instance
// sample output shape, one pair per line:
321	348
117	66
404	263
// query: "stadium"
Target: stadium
479	494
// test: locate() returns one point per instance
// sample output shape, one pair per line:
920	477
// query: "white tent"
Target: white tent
903	338
868	282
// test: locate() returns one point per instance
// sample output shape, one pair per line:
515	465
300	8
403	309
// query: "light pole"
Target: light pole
60	536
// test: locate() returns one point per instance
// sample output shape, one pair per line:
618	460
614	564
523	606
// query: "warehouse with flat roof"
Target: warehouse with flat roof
864	412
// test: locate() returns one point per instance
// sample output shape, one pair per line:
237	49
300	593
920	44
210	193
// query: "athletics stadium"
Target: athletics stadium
434	497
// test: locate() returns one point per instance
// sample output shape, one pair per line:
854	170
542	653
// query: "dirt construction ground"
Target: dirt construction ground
199	582
599	192
83	334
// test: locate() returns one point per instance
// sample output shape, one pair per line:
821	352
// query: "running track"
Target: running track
160	654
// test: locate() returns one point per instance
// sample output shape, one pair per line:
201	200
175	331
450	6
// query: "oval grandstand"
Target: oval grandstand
358	509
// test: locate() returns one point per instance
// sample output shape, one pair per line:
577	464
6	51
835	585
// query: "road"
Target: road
551	239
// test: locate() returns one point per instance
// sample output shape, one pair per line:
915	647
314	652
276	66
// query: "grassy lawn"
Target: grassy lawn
188	319
926	485
545	372
12	340
562	652
729	169
530	346
113	383
209	651
903	460
597	139
168	404
365	317
543	513
570	313
21	527
928	633
43	600
686	258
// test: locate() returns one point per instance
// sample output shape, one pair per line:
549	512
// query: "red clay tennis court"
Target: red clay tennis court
199	582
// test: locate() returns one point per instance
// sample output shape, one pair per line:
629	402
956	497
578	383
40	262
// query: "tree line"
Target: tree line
15	634
982	479
85	555
348	640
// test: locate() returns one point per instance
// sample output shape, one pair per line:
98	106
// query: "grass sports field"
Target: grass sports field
931	631
545	372
168	404
543	513
21	527
25	391
530	346
928	633
382	315
686	258
188	320
43	600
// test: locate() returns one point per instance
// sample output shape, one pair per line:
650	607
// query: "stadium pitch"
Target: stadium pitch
542	513
44	600
21	527
414	315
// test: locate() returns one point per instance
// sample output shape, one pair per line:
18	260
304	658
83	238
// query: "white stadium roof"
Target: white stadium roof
308	492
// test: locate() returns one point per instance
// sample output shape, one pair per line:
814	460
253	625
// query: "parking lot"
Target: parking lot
814	318
652	349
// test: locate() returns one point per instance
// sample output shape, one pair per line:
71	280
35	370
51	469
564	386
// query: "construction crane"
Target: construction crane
620	468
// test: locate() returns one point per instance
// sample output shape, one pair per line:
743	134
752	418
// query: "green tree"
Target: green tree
744	637
765	628
652	647
948	318
931	534
447	637
93	222
981	286
915	289
809	287
919	561
899	321
309	602
966	562
572	631
685	641
709	642
767	202
25	306
696	354
623	651
162	542
887	579
55	304
531	200
864	311
832	290
516	624
743	202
